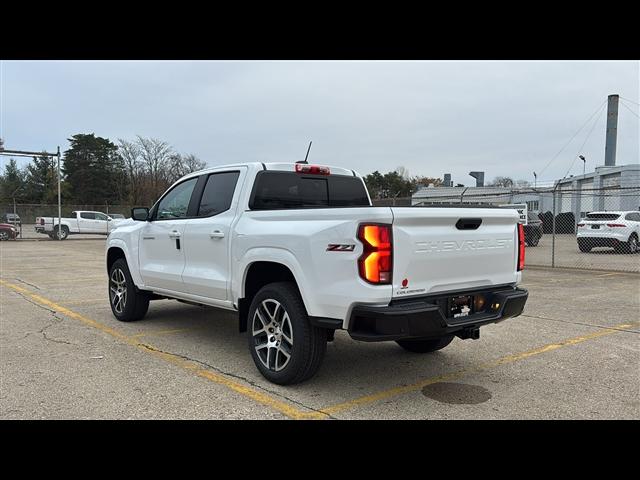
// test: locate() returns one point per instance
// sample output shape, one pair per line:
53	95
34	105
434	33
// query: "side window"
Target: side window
101	216
88	215
218	193
175	203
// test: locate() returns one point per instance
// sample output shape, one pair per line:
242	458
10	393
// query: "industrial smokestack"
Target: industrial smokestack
612	131
479	176
447	180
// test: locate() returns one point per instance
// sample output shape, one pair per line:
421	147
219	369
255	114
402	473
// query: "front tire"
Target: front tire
425	345
127	302
285	347
632	245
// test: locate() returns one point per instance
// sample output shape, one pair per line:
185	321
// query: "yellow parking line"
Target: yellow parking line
155	333
287	409
88	300
607	275
340	407
193	367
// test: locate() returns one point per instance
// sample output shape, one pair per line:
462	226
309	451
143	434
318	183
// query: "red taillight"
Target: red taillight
376	262
615	225
313	169
520	247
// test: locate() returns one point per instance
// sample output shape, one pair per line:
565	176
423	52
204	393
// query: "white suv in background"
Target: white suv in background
620	230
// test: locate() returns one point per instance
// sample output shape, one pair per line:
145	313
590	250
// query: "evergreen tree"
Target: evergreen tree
12	182
94	170
41	180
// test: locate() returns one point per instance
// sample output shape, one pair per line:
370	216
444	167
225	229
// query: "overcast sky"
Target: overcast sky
506	118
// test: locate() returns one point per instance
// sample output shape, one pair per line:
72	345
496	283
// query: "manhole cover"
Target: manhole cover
456	393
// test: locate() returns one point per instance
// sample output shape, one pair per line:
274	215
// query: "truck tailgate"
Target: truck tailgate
444	249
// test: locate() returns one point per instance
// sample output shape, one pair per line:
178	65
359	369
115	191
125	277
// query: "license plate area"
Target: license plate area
460	306
595	227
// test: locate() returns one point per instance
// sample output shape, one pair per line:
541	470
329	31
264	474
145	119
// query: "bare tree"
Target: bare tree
180	165
502	182
523	183
134	169
155	155
403	172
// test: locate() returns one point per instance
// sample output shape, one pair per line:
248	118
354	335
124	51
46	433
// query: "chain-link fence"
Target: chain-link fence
563	228
23	216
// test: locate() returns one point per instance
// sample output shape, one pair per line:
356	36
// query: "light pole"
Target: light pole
15	214
584	164
535	179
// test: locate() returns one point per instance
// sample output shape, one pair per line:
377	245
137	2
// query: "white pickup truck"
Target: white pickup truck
298	251
83	221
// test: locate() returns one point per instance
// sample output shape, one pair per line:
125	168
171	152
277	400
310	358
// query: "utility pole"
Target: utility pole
24	153
59	202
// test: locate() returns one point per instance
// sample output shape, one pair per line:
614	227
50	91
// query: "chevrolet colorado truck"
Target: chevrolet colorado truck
298	251
82	221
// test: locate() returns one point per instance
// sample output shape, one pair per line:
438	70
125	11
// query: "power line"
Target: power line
630	100
574	136
628	108
582	146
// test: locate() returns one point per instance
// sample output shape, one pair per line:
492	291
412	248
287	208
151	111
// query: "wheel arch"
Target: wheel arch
256	275
117	248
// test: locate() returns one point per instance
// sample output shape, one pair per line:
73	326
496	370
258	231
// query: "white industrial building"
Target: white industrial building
614	187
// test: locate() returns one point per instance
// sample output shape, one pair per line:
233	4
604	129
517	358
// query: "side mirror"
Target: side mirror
140	213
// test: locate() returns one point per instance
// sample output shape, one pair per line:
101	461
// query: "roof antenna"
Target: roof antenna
307	155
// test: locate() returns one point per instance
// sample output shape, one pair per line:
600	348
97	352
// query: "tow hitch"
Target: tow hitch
472	333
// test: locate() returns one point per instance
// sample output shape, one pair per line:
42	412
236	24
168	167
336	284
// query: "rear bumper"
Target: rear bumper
610	241
424	317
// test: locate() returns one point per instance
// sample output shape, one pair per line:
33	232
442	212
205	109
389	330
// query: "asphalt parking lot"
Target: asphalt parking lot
574	354
568	255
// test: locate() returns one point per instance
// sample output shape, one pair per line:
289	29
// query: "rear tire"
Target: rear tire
62	234
584	247
285	347
127	302
425	345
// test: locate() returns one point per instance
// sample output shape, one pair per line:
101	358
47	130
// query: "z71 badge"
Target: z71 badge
337	247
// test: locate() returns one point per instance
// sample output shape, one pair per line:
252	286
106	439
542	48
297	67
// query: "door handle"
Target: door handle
216	234
147	237
175	234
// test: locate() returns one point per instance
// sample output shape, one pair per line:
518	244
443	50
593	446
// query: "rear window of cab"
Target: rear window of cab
275	190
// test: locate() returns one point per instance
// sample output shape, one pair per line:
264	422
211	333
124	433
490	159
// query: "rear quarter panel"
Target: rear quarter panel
328	280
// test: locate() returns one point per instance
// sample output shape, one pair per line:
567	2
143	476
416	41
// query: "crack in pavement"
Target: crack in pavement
604	327
239	377
27	283
56	319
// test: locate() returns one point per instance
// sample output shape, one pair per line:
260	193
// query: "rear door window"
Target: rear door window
88	215
218	193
